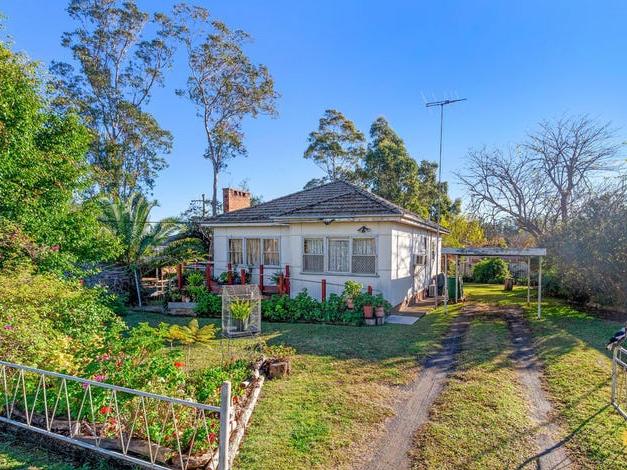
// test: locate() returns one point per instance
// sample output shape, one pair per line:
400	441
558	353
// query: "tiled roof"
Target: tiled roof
337	199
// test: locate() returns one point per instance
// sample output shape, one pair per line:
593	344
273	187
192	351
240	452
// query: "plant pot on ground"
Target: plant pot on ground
508	284
381	306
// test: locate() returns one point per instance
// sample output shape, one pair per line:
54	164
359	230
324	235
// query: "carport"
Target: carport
487	252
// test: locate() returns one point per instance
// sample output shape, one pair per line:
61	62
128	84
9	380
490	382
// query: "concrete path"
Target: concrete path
551	454
391	451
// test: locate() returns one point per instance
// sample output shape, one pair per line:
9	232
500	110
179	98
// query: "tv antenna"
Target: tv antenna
441	104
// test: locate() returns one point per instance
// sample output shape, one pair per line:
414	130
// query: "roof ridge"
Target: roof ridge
275	199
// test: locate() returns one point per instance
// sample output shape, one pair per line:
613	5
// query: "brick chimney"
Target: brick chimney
234	199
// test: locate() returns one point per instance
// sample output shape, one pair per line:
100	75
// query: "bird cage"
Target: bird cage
241	310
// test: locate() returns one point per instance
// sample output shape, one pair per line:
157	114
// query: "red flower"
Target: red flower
105	409
179	364
212	437
55	247
235	399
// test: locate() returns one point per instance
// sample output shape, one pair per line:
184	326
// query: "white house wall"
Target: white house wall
395	250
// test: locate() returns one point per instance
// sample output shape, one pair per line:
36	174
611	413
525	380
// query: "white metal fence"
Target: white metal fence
150	430
619	380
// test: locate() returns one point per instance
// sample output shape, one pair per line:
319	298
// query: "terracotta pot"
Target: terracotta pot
350	304
379	312
368	311
509	284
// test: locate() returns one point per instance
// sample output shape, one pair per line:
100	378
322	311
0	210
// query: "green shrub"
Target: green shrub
352	289
490	271
194	279
304	308
208	304
51	322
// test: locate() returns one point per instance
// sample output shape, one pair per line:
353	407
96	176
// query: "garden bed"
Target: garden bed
119	430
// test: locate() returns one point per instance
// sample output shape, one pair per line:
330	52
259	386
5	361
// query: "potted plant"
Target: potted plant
380	306
365	301
351	290
240	312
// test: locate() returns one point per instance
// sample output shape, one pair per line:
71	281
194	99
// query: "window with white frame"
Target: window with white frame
236	251
253	251
364	259
271	251
339	255
313	255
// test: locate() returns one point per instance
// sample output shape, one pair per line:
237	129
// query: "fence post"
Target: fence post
323	288
287	279
229	274
280	284
242	276
369	290
261	278
225	422
208	275
179	276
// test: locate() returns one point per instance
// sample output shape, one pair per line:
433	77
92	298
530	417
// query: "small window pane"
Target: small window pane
253	251
364	256
313	255
235	251
271	252
339	256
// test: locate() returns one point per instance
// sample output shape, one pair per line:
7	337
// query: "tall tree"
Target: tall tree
43	170
336	147
389	171
223	84
119	64
540	184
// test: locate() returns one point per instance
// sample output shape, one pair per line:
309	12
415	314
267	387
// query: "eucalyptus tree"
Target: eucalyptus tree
389	171
122	53
223	84
337	147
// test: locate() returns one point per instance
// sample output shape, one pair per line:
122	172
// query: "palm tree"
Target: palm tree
146	243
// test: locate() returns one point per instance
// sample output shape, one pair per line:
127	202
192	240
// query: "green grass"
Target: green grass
480	419
16	455
339	392
571	345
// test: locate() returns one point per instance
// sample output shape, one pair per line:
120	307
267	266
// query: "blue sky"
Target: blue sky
516	62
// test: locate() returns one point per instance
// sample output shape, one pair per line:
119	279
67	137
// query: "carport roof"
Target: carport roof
493	251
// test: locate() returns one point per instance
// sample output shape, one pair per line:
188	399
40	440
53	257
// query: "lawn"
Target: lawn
480	420
340	391
577	375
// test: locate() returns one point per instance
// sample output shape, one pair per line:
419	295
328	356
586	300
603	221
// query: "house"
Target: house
336	232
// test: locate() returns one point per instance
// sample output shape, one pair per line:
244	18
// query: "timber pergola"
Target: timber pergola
496	252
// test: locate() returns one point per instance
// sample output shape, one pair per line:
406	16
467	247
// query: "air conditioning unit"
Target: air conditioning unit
432	290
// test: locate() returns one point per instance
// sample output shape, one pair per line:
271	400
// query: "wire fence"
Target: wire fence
619	380
146	429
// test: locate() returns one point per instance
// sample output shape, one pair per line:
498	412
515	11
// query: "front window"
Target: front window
339	256
253	251
236	254
364	259
313	255
271	251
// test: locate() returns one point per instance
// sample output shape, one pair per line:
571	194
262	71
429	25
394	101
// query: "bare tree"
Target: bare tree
544	181
223	84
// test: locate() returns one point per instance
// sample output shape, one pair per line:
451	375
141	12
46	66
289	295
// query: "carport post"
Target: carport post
528	280
539	286
456	278
445	284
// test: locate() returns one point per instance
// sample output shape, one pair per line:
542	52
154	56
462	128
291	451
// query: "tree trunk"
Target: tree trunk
214	197
137	286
